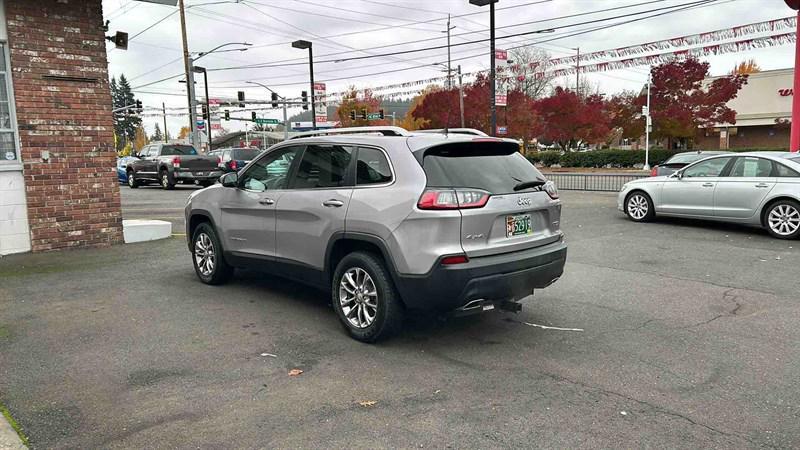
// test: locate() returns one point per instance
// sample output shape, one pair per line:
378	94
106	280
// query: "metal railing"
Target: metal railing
606	182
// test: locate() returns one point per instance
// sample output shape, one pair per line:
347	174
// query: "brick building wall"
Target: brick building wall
760	136
63	105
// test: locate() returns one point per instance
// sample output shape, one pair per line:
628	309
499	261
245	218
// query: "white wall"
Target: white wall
14	232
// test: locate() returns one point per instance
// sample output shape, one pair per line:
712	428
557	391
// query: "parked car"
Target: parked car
681	160
759	188
233	159
387	224
169	164
122	165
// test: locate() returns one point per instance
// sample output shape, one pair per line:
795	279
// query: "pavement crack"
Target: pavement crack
727	296
655	408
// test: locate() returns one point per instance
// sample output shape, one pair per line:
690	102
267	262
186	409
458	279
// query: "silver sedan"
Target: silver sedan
758	188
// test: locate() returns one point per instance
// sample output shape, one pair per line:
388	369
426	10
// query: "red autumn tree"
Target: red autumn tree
352	101
680	103
521	117
438	109
624	110
568	119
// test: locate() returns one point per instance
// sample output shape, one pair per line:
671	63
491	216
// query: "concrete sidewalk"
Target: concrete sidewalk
9	439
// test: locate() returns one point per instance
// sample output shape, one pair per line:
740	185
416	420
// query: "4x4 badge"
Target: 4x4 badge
524	201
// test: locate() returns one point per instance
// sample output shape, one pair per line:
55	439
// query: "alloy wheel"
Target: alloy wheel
204	254
131	181
164	180
358	297
637	206
784	219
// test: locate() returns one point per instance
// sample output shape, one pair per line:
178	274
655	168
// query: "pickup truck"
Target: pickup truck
169	164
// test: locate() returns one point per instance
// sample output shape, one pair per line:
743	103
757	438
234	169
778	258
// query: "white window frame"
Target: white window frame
15	164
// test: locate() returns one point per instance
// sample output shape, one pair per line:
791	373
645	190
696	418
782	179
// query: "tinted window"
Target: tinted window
244	154
168	150
323	166
710	168
372	167
751	167
494	168
783	171
269	172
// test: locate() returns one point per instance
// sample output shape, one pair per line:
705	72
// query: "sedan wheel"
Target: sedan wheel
358	297
783	220
639	207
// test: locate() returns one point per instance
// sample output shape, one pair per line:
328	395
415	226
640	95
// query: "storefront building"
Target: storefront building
763	109
58	188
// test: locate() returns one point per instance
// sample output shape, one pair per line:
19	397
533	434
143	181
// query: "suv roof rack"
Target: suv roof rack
468	131
385	131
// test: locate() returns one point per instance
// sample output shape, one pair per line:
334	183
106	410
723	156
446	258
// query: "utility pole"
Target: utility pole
449	70
189	77
164	110
647	125
578	72
461	96
493	74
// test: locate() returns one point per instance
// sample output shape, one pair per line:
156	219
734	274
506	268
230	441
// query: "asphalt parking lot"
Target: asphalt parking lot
682	334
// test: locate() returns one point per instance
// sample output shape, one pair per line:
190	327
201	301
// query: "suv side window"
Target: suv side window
372	167
271	171
153	152
748	166
710	168
323	166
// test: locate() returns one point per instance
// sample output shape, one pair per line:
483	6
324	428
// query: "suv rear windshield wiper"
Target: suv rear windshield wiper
528	184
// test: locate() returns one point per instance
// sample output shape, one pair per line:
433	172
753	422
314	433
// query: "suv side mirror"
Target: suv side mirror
230	179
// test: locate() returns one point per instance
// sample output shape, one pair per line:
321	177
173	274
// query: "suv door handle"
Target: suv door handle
267	201
708	184
333	202
762	185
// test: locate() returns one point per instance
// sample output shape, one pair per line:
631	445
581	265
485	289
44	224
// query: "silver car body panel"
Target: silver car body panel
729	199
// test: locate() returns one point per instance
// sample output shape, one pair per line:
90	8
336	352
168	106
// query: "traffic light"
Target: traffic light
120	40
274	100
364	113
227	115
254	116
241	99
304	97
380	114
205	112
139	105
352	114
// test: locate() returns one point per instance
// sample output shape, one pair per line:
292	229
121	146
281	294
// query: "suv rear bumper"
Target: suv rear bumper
495	278
199	175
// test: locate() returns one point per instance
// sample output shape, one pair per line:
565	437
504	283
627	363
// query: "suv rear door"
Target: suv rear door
514	217
314	206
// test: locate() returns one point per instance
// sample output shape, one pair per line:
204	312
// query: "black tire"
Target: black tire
132	182
782	219
221	271
388	311
165	180
639	207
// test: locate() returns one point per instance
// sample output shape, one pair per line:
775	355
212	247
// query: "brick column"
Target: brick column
63	102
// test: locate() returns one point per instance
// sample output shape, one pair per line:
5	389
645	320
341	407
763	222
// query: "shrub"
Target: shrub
545	158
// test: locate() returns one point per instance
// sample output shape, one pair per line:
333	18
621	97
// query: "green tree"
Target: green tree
157	136
125	122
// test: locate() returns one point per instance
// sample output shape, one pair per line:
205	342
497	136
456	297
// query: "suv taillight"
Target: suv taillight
452	199
551	190
233	165
176	162
220	164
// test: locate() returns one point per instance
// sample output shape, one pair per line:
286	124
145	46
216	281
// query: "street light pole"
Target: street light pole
647	124
301	44
461	96
492	76
449	70
208	105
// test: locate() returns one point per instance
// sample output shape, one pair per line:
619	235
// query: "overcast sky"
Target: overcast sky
343	27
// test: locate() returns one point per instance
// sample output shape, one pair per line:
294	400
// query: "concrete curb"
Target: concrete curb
9	439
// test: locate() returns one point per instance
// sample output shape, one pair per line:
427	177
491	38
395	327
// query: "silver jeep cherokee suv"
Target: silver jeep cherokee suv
388	220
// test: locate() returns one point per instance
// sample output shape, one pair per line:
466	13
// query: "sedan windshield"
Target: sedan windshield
686	158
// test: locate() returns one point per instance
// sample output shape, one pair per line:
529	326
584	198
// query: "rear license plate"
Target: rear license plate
518	225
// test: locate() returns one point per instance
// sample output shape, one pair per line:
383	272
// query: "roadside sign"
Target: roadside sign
214	101
500	63
502	130
320	103
373	116
200	125
267	121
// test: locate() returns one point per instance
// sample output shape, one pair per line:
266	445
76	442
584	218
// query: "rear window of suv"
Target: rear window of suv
244	154
488	166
